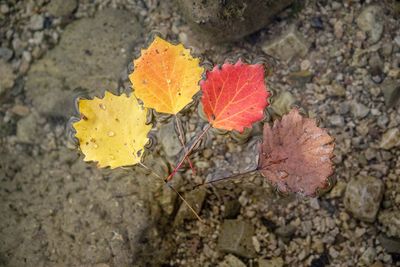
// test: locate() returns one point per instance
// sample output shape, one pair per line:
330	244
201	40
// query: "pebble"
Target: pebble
391	92
26	129
359	110
390	221
231	261
7	77
6	53
36	22
368	256
274	262
371	21
61	8
336	120
305	64
391	245
363	197
286	46
390	139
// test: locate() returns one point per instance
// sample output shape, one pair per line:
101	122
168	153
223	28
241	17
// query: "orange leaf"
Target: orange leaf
234	96
166	76
296	154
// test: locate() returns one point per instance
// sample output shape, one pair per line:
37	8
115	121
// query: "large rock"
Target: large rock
236	237
363	197
371	21
92	54
229	20
287	46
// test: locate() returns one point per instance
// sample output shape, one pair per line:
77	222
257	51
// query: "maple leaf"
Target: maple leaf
112	130
296	155
166	76
234	96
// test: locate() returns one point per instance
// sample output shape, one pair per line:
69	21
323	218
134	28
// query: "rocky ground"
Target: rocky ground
339	61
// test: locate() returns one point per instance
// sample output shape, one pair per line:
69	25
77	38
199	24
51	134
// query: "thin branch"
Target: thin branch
226	178
173	189
188	151
182	140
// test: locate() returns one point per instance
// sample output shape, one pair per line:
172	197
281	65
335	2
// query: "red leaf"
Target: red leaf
234	96
296	154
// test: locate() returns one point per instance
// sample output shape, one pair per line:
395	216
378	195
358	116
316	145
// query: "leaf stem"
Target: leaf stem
226	178
182	140
173	189
188	151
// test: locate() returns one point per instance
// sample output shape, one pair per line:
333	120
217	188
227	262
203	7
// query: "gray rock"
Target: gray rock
27	128
236	238
376	67
6	53
168	138
301	78
287	46
231	261
359	110
61	8
229	20
94	63
390	221
368	257
274	262
336	120
7	77
391	245
371	21
391	92
36	22
363	197
195	198
390	139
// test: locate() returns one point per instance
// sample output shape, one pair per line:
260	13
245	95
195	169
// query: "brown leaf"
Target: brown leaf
296	155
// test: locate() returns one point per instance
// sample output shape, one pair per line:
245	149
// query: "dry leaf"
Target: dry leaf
235	96
166	76
112	130
296	154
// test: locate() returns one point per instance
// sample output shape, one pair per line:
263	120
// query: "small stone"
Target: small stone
376	67
314	203
363	197
317	23
62	8
20	110
287	46
236	238
368	256
301	78
6	53
336	90
231	261
371	21
391	92
274	262
390	139
338	190
391	245
305	64
26	129
231	209
37	22
338	29
390	221
359	110
256	244
7	77
283	103
195	198
336	120
286	231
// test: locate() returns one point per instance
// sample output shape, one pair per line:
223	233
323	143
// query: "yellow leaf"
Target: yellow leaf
112	130
166	76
